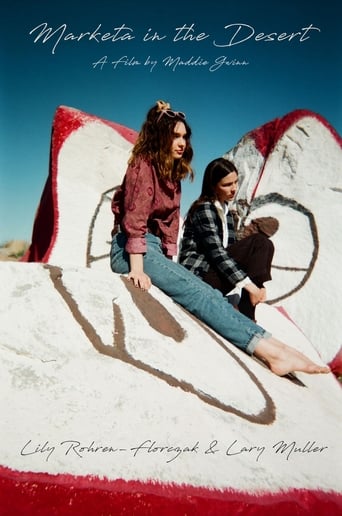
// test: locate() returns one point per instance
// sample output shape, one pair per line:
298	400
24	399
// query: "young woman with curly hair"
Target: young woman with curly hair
146	210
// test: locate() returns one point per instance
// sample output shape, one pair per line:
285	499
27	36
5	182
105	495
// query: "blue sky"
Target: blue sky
222	102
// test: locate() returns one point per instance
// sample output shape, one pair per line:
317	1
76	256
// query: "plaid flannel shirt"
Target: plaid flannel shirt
202	243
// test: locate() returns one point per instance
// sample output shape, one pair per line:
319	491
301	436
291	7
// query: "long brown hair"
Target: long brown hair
155	139
214	172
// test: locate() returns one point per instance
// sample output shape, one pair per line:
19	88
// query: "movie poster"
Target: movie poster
258	83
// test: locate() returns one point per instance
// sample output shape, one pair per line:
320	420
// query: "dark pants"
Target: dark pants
253	255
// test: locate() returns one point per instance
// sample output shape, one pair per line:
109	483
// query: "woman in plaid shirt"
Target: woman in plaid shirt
211	250
146	223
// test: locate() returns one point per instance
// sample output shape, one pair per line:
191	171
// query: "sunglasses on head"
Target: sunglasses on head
171	114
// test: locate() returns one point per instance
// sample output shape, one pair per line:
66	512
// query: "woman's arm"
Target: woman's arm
206	222
139	187
137	205
137	274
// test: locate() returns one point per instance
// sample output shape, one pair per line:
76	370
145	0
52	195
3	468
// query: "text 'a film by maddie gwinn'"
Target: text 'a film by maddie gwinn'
171	63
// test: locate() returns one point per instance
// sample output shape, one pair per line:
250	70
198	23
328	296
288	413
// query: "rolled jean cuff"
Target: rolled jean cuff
255	340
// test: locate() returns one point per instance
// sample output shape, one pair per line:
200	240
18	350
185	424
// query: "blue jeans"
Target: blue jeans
191	292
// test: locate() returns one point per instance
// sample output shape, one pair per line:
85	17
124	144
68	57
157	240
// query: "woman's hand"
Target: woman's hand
137	274
140	279
256	295
263	296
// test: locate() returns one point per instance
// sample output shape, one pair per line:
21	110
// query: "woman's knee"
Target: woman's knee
261	241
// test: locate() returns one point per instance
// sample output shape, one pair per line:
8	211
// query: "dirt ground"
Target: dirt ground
13	250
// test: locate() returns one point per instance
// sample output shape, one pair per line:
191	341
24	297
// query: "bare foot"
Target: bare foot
283	359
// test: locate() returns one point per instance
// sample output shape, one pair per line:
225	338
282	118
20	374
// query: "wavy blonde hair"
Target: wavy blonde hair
155	139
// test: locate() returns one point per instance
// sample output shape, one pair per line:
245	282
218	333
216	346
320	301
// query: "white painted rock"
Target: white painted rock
88	161
102	384
291	169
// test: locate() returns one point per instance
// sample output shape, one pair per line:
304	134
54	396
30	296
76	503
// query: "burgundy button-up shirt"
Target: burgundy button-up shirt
147	203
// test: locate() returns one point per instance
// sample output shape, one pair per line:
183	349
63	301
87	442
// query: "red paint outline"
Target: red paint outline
267	136
40	494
